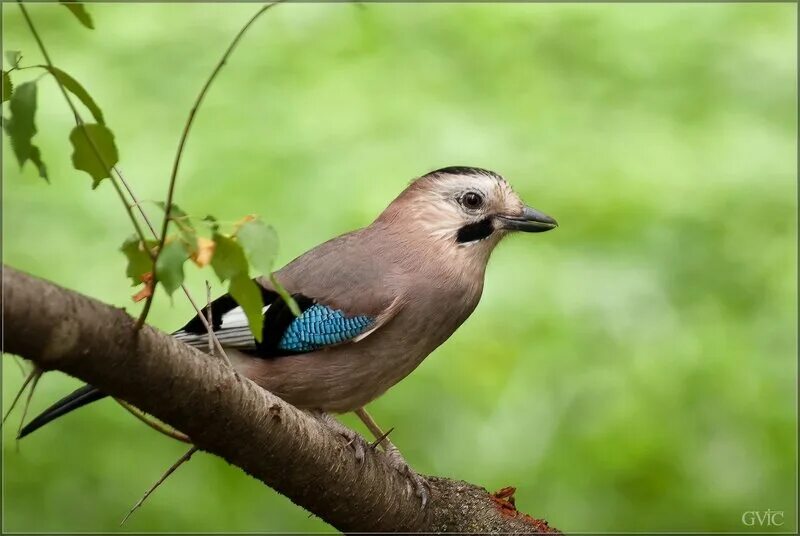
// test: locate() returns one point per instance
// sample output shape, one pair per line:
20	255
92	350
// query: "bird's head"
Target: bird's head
465	207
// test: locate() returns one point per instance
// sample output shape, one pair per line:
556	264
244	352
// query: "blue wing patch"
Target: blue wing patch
321	326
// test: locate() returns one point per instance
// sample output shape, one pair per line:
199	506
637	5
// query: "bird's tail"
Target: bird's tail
79	398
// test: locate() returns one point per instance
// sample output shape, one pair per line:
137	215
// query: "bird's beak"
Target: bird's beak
530	221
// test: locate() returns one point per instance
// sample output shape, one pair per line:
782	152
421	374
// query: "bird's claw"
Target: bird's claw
417	483
354	440
357	443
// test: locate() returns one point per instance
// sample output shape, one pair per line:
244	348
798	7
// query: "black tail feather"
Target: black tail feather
79	398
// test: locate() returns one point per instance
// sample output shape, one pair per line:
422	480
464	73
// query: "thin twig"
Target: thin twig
210	327
19	394
207	325
136	201
155	425
36	373
19	365
172	468
381	438
182	143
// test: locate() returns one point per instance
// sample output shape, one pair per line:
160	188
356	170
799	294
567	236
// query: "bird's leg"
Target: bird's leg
395	459
354	440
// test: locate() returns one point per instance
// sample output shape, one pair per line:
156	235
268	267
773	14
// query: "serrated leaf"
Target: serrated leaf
74	87
85	158
229	259
79	10
8	87
13	57
21	127
139	262
36	158
247	294
169	266
260	242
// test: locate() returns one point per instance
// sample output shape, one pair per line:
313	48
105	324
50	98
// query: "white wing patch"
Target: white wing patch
234	332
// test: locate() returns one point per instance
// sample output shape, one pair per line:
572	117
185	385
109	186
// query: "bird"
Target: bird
374	302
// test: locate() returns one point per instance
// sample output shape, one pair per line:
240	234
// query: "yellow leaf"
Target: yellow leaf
205	250
147	290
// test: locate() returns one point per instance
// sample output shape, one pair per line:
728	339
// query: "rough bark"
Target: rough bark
228	415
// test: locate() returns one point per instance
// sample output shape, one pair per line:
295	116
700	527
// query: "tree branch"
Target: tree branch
230	416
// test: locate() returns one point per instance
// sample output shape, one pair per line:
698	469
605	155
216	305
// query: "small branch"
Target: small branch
172	468
136	201
20	367
36	373
381	438
207	325
182	143
155	425
209	321
28	379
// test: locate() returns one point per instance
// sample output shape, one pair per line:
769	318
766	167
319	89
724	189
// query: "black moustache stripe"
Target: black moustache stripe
475	231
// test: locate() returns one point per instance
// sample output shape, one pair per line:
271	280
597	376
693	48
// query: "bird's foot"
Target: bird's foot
417	483
354	440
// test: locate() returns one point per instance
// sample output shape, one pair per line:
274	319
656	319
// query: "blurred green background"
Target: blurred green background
634	370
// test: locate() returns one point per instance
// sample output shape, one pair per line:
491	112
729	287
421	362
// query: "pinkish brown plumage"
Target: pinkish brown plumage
376	301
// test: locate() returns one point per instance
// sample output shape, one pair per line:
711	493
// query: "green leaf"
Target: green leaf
175	210
285	296
184	224
229	260
84	155
79	11
36	158
260	242
8	87
13	57
213	224
247	294
169	266
139	262
21	128
74	87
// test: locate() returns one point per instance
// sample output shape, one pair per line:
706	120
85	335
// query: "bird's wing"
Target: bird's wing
345	289
318	326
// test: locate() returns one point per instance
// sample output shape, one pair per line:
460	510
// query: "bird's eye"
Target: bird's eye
472	200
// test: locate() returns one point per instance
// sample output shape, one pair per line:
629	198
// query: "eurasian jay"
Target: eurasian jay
375	302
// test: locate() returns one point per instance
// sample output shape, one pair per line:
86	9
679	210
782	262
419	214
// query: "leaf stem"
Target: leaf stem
182	144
